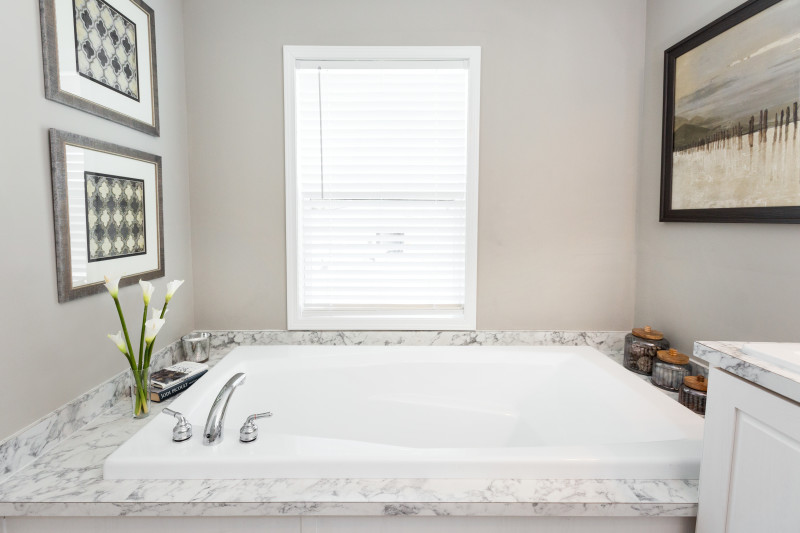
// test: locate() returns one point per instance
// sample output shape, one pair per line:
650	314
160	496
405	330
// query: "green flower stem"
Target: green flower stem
141	337
141	389
141	397
142	394
124	328
147	352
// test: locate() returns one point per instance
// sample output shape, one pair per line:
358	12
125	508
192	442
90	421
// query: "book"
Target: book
172	375
158	395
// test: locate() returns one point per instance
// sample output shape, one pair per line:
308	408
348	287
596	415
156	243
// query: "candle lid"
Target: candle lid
673	356
696	382
648	333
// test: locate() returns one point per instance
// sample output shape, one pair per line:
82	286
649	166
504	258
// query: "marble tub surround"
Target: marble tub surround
37	439
68	481
26	445
609	342
729	356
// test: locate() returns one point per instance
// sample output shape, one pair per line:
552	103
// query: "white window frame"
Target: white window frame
296	319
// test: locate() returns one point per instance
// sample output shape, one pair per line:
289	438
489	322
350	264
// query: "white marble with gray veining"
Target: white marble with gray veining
67	480
729	356
26	445
608	342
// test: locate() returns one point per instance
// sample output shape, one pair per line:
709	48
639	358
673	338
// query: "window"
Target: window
381	186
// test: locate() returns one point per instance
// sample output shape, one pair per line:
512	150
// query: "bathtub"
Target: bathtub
423	412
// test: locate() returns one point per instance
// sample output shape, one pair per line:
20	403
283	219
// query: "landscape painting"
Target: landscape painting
731	147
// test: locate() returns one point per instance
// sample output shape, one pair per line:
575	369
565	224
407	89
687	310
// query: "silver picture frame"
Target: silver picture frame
74	159
70	79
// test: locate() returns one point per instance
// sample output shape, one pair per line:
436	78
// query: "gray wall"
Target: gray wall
53	352
561	94
571	115
705	281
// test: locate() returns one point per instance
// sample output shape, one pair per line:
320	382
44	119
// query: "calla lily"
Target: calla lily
172	286
151	329
112	284
119	341
147	291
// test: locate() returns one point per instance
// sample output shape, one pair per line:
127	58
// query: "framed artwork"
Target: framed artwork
731	151
108	214
100	57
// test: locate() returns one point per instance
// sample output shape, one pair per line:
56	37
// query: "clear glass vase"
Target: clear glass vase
139	392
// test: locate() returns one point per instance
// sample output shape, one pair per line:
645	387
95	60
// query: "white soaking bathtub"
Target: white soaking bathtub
423	412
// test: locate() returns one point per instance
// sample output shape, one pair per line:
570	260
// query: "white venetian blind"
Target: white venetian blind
382	183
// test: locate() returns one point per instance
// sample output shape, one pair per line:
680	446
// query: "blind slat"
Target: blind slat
382	177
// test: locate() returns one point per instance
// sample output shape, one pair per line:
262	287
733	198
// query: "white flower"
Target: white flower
172	286
120	342
112	284
151	329
157	312
147	291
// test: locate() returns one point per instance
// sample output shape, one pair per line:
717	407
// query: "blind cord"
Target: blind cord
321	165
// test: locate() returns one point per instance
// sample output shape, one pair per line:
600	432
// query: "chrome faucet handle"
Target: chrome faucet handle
183	429
249	431
212	433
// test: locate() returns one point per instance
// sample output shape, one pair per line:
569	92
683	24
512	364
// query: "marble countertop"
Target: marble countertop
68	481
729	356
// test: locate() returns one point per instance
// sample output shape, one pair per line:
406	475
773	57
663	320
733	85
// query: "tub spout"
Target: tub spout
212	434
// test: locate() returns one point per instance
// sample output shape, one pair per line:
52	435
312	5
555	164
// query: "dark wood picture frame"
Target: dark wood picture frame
52	86
779	215
58	166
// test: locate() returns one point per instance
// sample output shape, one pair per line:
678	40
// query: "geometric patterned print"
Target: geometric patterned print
105	46
114	216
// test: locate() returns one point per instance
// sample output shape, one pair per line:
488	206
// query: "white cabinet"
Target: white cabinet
750	473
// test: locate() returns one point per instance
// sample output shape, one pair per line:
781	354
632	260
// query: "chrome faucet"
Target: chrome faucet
212	434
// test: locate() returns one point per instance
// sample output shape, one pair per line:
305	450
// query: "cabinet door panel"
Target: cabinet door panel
750	474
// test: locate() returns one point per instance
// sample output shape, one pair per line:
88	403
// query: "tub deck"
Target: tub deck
68	481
